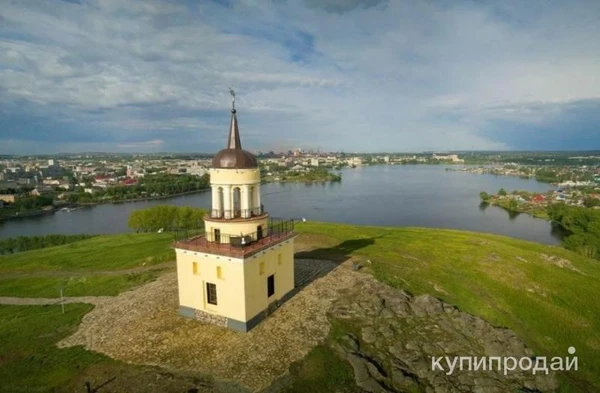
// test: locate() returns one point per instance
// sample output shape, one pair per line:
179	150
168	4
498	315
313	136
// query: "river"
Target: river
402	195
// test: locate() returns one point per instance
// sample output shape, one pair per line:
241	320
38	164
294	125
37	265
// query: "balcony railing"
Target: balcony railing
234	244
239	213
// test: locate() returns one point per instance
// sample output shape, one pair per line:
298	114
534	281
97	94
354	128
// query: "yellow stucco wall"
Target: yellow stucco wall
230	288
242	289
234	177
256	283
244	227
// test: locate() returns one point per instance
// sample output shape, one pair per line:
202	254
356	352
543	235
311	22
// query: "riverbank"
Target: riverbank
142	199
76	206
559	176
317	175
537	204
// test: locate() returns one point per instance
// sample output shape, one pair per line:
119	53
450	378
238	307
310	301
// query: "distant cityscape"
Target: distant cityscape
36	184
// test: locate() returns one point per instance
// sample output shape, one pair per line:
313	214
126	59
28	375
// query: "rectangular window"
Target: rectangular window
261	268
271	285
211	293
279	259
219	272
195	268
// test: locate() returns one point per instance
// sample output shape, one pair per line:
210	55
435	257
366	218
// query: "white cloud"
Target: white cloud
346	76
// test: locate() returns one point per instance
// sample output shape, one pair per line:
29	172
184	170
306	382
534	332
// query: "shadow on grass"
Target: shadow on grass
317	263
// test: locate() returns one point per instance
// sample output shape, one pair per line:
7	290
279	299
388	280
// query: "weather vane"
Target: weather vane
232	92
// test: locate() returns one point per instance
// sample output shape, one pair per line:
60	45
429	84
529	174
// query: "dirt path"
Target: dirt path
78	273
42	301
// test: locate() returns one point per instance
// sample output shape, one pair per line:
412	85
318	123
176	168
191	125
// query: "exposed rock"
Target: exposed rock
397	352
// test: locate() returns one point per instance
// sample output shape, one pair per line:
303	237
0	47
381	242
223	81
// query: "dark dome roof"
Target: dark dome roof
234	159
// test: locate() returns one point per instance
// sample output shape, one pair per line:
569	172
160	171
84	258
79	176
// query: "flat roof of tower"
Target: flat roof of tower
202	245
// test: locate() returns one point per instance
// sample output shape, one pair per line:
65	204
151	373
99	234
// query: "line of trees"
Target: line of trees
583	225
167	218
13	245
148	186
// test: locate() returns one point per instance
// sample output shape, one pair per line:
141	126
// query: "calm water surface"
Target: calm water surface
420	196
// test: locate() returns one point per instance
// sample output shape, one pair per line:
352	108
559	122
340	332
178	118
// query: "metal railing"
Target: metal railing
239	213
211	240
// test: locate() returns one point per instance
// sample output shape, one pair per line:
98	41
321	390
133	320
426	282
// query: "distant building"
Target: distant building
450	157
8	198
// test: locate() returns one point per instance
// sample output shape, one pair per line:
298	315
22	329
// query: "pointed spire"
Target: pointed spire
234	133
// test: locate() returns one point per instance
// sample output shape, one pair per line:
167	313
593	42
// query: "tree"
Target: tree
166	217
502	192
591	202
513	205
485	197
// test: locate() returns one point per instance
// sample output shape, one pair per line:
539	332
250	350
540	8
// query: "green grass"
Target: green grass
322	370
98	253
504	280
29	359
74	286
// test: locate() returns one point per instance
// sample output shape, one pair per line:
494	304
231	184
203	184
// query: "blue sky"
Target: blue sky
351	75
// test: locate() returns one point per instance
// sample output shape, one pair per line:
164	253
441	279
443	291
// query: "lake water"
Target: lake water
403	195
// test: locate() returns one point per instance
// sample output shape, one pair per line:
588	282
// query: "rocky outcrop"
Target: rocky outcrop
398	335
392	337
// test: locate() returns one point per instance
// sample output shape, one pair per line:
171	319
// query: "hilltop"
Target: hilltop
542	293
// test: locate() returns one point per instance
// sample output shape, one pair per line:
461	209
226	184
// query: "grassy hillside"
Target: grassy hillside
98	253
91	267
545	294
88	285
30	361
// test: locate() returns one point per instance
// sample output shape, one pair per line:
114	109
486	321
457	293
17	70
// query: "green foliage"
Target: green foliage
150	186
322	370
513	205
591	202
502	192
166	217
12	245
485	197
584	226
313	175
32	203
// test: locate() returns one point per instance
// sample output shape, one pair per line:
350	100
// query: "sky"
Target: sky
330	75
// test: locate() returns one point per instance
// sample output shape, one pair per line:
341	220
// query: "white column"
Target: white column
245	204
216	201
227	205
256	196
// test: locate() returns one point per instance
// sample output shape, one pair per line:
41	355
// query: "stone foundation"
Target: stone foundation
203	316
